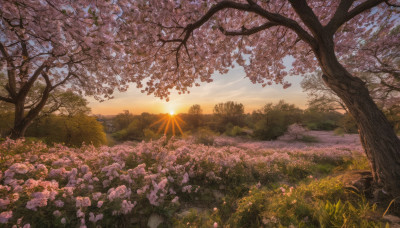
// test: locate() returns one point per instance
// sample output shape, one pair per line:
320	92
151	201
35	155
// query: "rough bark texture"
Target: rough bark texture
22	121
380	142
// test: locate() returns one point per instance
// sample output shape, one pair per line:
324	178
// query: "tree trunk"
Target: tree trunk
380	142
22	121
20	125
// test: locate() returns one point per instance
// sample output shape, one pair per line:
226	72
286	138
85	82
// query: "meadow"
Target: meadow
178	182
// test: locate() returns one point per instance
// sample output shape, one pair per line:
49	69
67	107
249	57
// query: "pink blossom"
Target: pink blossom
36	202
59	203
19	168
5	216
57	213
96	195
4	202
83	201
175	200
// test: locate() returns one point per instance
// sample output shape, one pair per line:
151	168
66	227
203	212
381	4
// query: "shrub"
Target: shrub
274	120
348	124
71	130
296	131
235	131
339	131
309	139
204	136
149	134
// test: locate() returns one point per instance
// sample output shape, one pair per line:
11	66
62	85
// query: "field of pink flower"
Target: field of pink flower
125	185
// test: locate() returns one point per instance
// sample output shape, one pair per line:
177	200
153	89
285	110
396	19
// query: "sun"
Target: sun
169	121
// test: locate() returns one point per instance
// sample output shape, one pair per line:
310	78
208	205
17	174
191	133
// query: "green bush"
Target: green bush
235	131
204	136
309	139
348	123
339	131
273	120
149	134
71	130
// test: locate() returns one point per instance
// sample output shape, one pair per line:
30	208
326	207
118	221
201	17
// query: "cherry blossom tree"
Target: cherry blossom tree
375	61
70	45
179	43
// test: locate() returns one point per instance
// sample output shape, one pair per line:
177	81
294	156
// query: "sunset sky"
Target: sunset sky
232	86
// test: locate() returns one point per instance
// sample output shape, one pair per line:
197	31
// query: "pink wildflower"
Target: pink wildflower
5	216
175	200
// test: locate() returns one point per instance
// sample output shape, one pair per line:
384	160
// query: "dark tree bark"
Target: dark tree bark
22	121
380	142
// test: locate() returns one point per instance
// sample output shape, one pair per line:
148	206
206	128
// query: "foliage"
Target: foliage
204	136
122	120
339	131
237	187
194	119
348	124
134	127
229	113
235	131
77	50
213	36
317	119
309	139
273	120
71	130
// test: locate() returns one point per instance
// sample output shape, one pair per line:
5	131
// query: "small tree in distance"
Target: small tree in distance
195	116
229	113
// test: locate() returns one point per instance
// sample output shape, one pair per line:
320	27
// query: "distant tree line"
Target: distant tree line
229	118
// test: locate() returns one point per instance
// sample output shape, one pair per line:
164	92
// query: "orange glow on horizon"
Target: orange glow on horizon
168	122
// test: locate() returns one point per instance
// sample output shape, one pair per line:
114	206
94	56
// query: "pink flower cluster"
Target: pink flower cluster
97	182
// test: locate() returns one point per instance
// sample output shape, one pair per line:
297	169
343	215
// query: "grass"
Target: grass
298	188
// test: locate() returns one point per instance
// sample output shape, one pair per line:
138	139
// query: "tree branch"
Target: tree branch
62	81
307	16
368	4
6	99
246	31
391	4
284	21
11	86
26	87
251	7
34	112
340	13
